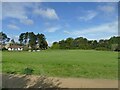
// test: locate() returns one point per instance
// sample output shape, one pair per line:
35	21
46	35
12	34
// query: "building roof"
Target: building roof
15	46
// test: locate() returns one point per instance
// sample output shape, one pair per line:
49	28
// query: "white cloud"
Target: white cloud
0	10
27	21
47	24
109	8
20	12
0	16
50	43
17	11
53	29
47	13
14	10
89	16
67	32
96	31
66	25
12	26
15	37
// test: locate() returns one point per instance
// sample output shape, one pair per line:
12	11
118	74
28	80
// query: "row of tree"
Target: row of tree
38	41
82	43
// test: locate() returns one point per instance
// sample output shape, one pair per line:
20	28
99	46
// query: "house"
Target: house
7	45
15	48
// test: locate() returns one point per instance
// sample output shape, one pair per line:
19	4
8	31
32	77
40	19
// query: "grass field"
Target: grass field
64	63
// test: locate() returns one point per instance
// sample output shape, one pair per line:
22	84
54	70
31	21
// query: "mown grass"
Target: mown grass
64	63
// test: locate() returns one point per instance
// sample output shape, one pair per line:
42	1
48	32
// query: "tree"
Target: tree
21	38
94	44
3	38
62	44
80	43
32	40
114	43
45	44
55	45
12	41
41	40
26	35
69	42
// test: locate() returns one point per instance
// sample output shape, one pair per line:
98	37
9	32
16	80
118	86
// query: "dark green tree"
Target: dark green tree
32	40
21	38
41	40
12	41
55	45
69	42
3	38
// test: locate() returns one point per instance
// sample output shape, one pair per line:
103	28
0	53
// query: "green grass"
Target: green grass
64	63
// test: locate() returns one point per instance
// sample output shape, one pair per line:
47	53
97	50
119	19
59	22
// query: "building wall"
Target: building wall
15	49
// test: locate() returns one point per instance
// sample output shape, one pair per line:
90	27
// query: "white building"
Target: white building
15	48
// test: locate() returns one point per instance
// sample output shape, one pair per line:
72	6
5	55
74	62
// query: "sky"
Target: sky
60	20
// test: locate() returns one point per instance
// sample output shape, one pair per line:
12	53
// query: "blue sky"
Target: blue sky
93	20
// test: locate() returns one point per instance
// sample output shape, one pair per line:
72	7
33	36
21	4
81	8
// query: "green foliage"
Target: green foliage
34	41
114	47
55	45
4	49
28	71
3	38
12	41
83	43
101	48
42	41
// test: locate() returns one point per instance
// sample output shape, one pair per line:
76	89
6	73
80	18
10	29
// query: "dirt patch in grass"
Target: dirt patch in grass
23	81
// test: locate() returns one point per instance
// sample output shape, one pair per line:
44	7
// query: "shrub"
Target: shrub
118	56
4	49
25	48
11	72
101	48
28	71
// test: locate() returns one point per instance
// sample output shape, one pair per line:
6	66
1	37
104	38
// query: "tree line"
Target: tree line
83	43
38	41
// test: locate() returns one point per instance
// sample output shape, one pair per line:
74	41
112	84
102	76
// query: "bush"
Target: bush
11	72
4	49
117	48
101	48
118	56
25	48
28	71
55	46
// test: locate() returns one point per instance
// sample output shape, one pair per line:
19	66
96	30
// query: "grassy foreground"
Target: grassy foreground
64	63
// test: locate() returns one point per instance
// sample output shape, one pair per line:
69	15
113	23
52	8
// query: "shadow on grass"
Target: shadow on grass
29	81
